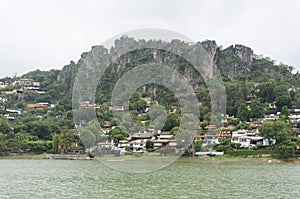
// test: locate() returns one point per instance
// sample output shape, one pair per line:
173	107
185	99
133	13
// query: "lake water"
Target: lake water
196	179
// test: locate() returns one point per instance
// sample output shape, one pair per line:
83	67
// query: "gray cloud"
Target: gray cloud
48	34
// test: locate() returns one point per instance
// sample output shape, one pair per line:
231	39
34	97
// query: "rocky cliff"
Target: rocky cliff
237	62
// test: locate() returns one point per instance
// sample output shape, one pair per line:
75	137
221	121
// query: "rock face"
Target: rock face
231	62
210	46
212	49
65	75
245	54
235	61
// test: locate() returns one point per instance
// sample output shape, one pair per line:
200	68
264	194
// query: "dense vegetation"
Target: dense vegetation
249	78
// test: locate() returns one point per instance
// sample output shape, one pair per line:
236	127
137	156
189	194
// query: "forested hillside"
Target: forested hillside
42	100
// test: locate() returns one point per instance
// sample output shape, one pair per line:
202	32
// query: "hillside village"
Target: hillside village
238	134
262	113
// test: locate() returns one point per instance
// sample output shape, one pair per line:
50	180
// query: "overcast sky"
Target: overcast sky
48	34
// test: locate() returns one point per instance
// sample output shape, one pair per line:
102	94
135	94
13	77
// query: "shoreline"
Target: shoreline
223	159
214	159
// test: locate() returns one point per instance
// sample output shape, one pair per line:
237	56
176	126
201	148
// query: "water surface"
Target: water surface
91	179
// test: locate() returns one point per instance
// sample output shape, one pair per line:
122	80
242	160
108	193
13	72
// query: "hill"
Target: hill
39	103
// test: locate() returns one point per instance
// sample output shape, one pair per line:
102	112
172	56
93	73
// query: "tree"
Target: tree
284	114
243	113
282	97
235	95
136	103
21	105
158	116
55	143
171	121
3	144
203	111
189	121
174	130
184	138
285	151
21	127
198	144
104	113
281	132
225	145
266	92
39	145
66	139
117	134
96	131
203	96
277	130
43	129
87	138
283	100
149	144
267	131
257	109
4	126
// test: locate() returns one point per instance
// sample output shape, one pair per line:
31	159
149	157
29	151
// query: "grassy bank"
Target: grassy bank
24	156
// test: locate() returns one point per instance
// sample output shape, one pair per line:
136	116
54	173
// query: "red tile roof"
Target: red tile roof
164	133
106	124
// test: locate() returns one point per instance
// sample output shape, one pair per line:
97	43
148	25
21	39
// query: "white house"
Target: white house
271	117
13	111
123	143
106	131
210	139
3	99
165	135
248	139
137	145
242	132
109	145
294	118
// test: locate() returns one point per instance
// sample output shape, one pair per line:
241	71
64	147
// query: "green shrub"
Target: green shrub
127	148
50	152
150	150
248	152
38	146
284	151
